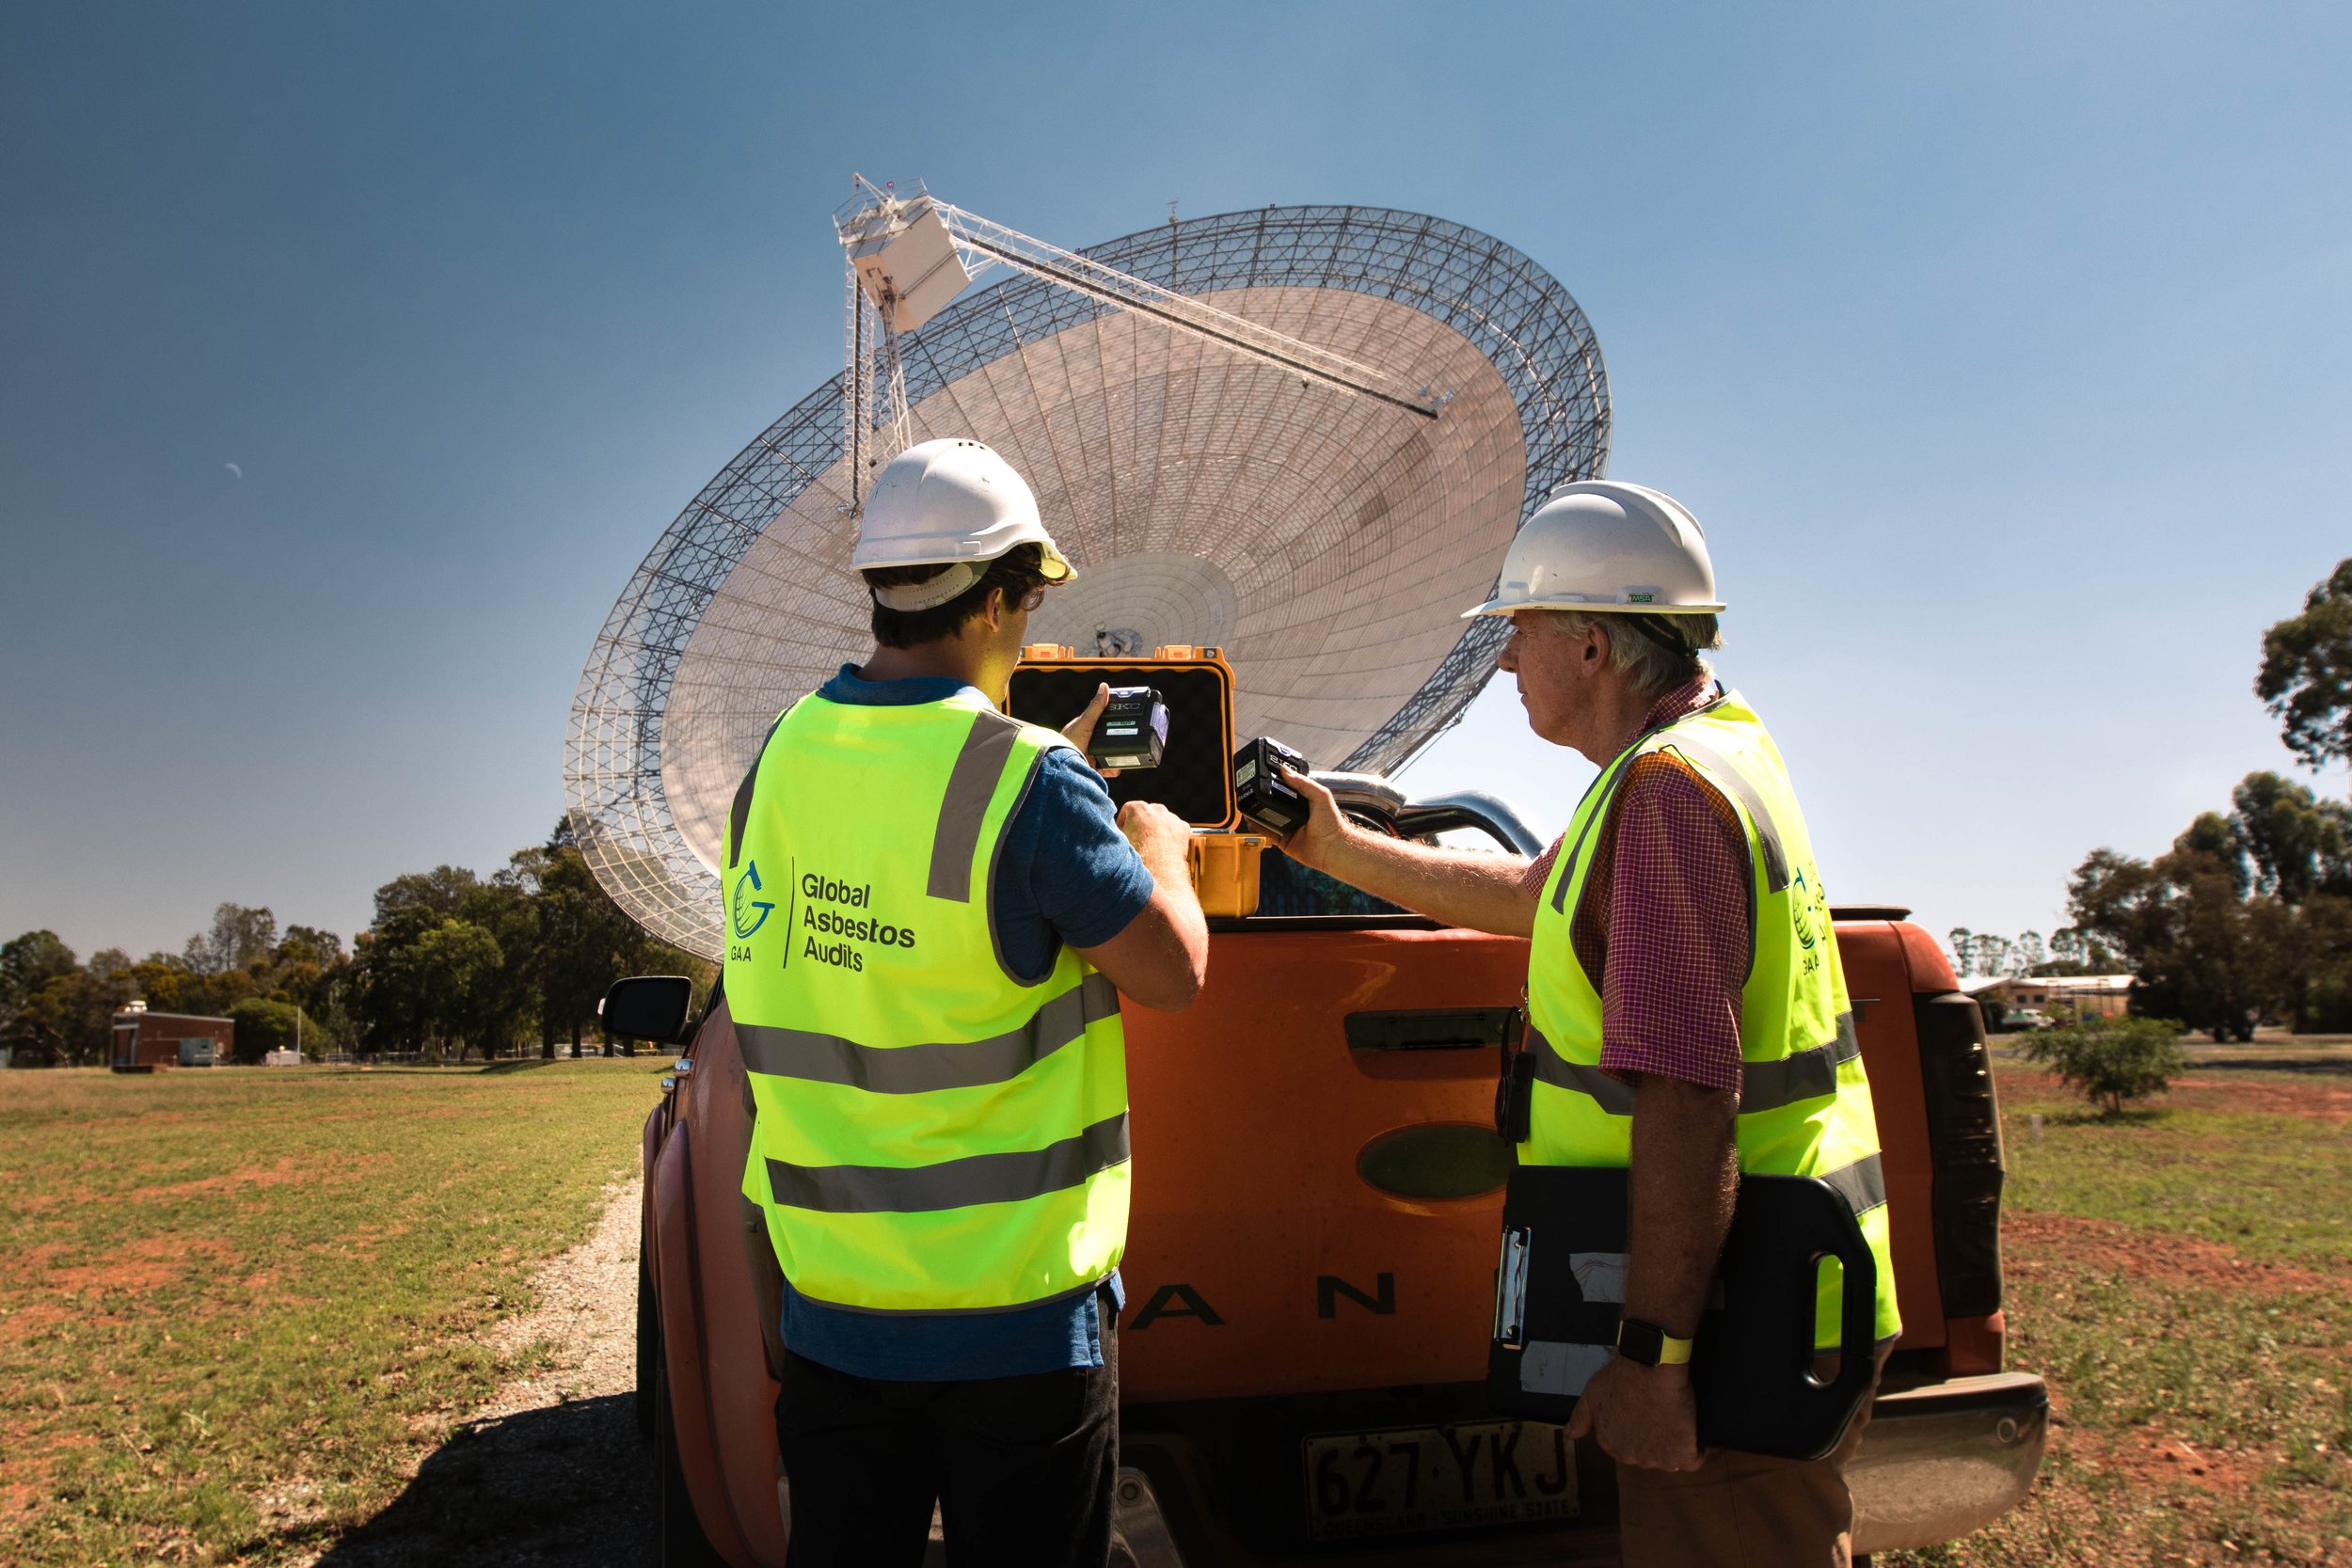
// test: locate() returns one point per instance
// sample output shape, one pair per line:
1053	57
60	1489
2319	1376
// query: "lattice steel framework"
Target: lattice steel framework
749	592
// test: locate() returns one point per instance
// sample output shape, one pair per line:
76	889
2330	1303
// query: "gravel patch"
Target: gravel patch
551	1470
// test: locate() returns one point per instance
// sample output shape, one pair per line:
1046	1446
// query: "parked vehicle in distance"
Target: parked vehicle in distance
1316	1208
2027	1017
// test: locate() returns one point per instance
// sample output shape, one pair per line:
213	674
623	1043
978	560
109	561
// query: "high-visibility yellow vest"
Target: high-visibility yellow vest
930	1133
1804	1104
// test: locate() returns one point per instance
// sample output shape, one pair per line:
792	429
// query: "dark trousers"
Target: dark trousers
1021	1467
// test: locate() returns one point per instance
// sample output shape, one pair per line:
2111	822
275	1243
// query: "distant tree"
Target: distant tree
452	966
2197	947
70	1018
392	1001
306	943
2027	957
2111	1060
1992	956
2074	951
27	964
2214	838
309	969
1964	942
584	942
265	1025
2306	676
239	938
2296	844
430	895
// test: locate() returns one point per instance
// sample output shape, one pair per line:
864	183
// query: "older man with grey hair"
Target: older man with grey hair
1679	937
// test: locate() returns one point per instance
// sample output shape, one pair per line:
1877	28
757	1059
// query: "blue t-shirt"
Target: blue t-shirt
1066	875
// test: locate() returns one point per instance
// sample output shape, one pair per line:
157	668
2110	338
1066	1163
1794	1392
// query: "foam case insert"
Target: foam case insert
1195	776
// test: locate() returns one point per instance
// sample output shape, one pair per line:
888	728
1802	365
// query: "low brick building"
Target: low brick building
146	1040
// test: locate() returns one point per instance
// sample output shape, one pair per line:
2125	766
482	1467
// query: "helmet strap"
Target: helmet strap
959	577
1652	628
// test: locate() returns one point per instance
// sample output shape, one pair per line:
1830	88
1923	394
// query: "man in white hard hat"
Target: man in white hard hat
932	912
1687	1014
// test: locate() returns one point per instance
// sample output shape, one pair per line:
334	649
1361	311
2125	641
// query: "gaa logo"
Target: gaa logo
750	911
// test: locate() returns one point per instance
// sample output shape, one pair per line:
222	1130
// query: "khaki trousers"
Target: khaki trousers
1742	1510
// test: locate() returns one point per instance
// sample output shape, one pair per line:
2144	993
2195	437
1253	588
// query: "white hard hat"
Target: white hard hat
1603	545
950	501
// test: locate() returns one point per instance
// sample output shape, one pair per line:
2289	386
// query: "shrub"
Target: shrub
2110	1060
265	1025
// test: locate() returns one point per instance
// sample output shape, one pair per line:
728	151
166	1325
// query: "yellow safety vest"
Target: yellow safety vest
930	1133
1804	1104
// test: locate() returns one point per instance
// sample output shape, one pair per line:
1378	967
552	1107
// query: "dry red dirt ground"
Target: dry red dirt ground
2030	1242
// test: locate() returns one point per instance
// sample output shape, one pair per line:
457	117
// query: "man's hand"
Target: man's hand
1641	1416
1161	837
1079	731
1319	840
1162	958
1460	887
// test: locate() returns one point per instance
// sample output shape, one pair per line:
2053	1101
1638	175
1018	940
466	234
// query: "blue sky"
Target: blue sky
2005	350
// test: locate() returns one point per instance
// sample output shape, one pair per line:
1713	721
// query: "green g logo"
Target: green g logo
750	912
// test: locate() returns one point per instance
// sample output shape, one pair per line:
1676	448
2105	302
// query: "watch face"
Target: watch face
1640	1341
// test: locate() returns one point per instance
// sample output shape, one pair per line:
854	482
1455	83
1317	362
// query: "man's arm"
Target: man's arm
1677	953
1685	1176
1161	957
1460	887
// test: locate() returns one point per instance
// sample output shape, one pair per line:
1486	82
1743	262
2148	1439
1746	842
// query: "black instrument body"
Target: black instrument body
1133	731
1260	791
1753	1366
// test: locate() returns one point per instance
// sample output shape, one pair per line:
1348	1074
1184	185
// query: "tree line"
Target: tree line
2248	916
453	963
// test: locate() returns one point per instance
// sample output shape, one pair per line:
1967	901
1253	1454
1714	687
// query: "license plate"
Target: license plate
1412	1478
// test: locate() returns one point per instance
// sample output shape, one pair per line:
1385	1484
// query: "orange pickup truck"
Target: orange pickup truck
1309	1278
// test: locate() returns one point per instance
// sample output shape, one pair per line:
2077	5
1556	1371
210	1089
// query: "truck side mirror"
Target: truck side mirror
649	1007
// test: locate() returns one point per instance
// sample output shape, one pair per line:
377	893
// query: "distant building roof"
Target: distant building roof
1976	984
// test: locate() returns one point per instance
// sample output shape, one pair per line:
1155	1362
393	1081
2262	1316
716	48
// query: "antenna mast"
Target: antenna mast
908	255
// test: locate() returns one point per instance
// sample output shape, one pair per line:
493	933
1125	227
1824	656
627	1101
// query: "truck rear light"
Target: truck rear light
1964	1152
1974	1346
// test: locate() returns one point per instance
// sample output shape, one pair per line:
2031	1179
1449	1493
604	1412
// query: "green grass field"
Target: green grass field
2183	1276
236	1305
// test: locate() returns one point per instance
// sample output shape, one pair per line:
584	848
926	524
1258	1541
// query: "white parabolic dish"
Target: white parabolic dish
1326	540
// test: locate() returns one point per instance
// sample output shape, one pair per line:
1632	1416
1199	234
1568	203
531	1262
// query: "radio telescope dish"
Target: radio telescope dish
1303	434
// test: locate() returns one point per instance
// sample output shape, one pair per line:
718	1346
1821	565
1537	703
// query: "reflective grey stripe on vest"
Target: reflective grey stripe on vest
1863	1184
1608	783
971	785
1775	857
1799	1075
1615	1098
921	1068
1763	1085
951	1184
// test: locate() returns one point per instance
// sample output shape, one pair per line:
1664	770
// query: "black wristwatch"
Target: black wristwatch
1650	1345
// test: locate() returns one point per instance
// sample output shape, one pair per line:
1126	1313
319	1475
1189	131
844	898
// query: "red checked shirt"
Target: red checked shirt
1663	919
